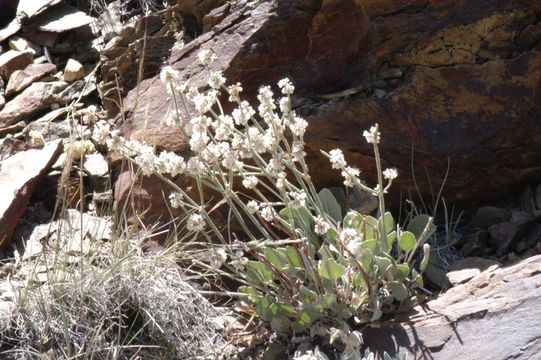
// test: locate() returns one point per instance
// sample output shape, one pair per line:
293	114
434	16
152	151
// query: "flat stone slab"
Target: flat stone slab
496	314
19	175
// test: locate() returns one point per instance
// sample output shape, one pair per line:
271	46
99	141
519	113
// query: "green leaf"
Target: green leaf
388	221
402	271
263	308
367	258
407	241
342	310
426	257
306	318
327	300
369	227
383	264
417	226
293	257
371	245
398	290
353	220
329	269
275	258
308	294
390	239
339	195
252	294
330	205
258	272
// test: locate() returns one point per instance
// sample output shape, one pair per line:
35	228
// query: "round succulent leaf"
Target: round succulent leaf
401	271
369	227
407	241
371	245
366	259
390	239
386	222
330	205
398	290
353	220
418	224
330	270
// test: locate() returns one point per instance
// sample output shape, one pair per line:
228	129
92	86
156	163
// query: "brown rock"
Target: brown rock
37	97
12	61
471	319
19	175
21	79
2	101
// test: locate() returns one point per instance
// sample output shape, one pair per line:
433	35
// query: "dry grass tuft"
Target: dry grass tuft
133	307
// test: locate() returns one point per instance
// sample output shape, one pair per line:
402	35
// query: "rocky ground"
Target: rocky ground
464	88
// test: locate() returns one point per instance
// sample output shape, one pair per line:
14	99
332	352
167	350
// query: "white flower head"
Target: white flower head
249	182
252	206
216	80
175	199
351	176
169	75
206	56
243	113
286	86
268	213
195	222
372	136
337	159
218	258
234	92
298	126
100	133
321	226
298	199
390	174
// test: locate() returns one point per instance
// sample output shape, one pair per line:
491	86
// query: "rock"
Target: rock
96	165
22	45
503	235
487	216
215	16
62	18
19	176
39	96
538	197
21	79
456	74
465	269
13	60
526	200
472	319
73	71
2	101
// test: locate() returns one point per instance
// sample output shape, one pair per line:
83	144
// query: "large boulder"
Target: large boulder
445	81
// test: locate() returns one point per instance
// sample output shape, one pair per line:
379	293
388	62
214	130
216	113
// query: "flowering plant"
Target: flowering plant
301	260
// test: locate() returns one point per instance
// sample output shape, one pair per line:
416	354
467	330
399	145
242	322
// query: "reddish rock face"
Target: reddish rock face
457	81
